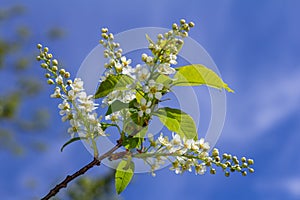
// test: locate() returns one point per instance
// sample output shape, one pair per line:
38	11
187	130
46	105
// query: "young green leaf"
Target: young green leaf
113	82
193	75
124	174
163	79
71	141
139	95
132	142
105	125
116	106
177	121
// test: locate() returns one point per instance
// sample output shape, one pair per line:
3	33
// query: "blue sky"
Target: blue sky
256	46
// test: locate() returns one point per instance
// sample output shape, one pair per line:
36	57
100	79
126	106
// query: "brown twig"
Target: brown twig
95	162
69	178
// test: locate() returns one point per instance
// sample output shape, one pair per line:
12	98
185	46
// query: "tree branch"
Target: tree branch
69	178
95	162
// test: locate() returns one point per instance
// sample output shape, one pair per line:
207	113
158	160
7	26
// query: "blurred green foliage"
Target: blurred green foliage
15	59
88	188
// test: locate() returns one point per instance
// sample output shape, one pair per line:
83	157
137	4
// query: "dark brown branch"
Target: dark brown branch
69	178
95	162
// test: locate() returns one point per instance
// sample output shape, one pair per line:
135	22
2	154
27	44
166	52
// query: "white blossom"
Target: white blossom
59	80
173	59
153	89
86	102
56	94
166	69
144	107
125	62
77	85
142	73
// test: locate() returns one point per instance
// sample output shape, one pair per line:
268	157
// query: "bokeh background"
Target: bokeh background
255	44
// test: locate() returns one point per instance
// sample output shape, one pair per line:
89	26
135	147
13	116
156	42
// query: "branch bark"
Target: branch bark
95	162
69	178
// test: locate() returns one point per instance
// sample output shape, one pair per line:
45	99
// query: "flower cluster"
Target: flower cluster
118	64
131	95
186	154
164	55
76	107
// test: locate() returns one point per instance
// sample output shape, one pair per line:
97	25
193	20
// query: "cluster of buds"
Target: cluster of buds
187	154
54	75
117	62
76	107
230	163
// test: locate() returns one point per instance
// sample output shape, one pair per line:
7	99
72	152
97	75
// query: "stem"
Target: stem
96	161
69	178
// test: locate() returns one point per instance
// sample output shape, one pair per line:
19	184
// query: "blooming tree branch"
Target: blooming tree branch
131	96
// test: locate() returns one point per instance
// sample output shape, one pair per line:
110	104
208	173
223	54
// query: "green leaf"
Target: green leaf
71	141
142	132
163	79
193	75
105	125
116	106
111	83
177	121
124	174
132	142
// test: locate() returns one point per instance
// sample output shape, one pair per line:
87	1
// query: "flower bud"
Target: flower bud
144	57
251	170
44	65
227	163
62	71
212	171
244	165
215	152
185	34
104	30
39	46
182	21
49	56
118	55
69	82
54	62
46	49
50	81
159	36
225	155
54	68
250	162
104	35
174	26
227	174
186	27
191	24
111	36
243	159
47	75
67	75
